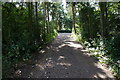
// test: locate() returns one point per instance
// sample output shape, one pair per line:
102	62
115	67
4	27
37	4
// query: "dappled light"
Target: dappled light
64	64
60	39
61	57
42	51
74	62
71	44
75	45
61	45
40	66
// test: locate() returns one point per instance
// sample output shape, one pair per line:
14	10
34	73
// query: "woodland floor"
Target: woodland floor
63	58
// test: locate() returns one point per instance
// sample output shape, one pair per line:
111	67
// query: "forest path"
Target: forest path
64	58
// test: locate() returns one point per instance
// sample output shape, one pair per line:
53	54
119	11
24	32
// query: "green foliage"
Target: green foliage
51	36
105	49
25	32
88	23
19	33
67	23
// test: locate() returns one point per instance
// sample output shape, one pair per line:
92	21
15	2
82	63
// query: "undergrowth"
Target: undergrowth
105	51
20	51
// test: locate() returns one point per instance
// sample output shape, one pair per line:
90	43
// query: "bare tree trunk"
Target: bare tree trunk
103	19
44	28
48	18
37	27
29	15
73	11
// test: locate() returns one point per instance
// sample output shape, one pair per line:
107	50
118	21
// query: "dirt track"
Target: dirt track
64	58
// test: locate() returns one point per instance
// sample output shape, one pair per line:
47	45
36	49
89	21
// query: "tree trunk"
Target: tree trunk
29	16
103	19
73	11
48	18
37	27
44	28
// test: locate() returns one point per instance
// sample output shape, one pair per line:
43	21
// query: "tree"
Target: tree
73	11
103	18
36	20
29	16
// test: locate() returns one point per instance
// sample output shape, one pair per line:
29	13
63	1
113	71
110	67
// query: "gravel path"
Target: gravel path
64	58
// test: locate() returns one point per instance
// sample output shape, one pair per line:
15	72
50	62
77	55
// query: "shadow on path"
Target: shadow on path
64	58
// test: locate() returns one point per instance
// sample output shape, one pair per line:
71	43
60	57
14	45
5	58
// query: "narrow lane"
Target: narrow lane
64	58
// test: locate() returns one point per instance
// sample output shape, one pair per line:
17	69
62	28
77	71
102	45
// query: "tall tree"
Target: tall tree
36	19
48	9
30	25
73	11
45	23
103	18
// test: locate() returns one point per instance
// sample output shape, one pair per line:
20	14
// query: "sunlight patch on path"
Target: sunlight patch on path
64	64
61	57
75	45
65	58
